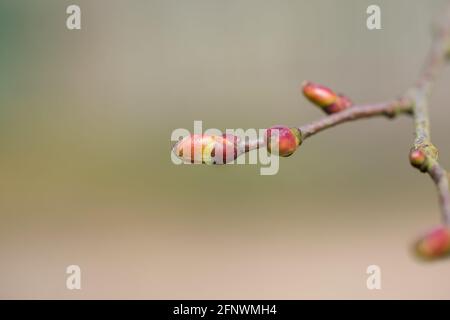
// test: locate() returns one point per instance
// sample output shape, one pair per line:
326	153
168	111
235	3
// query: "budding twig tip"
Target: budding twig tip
325	98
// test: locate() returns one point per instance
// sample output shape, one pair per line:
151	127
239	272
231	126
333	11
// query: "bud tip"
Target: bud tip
434	244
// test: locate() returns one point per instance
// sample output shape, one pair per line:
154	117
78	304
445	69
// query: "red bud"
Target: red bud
287	142
417	158
435	244
324	97
319	95
208	149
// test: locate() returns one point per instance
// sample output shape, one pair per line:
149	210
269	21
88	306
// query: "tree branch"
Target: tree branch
423	155
420	94
414	102
389	109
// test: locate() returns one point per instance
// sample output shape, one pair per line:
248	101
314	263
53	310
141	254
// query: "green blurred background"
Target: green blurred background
85	170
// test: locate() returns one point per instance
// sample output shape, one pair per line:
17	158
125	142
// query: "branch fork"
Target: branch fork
340	109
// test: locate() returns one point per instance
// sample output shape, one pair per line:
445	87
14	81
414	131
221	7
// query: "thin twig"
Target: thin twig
389	109
414	102
424	155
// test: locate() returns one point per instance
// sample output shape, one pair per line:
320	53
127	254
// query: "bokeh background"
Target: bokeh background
85	170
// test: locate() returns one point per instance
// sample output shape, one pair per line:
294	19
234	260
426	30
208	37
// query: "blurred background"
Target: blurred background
86	176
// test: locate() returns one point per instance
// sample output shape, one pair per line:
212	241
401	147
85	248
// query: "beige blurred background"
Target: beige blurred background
85	170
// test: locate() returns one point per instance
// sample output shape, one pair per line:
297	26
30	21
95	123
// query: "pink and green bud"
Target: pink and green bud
207	149
319	95
417	158
325	98
435	244
285	140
